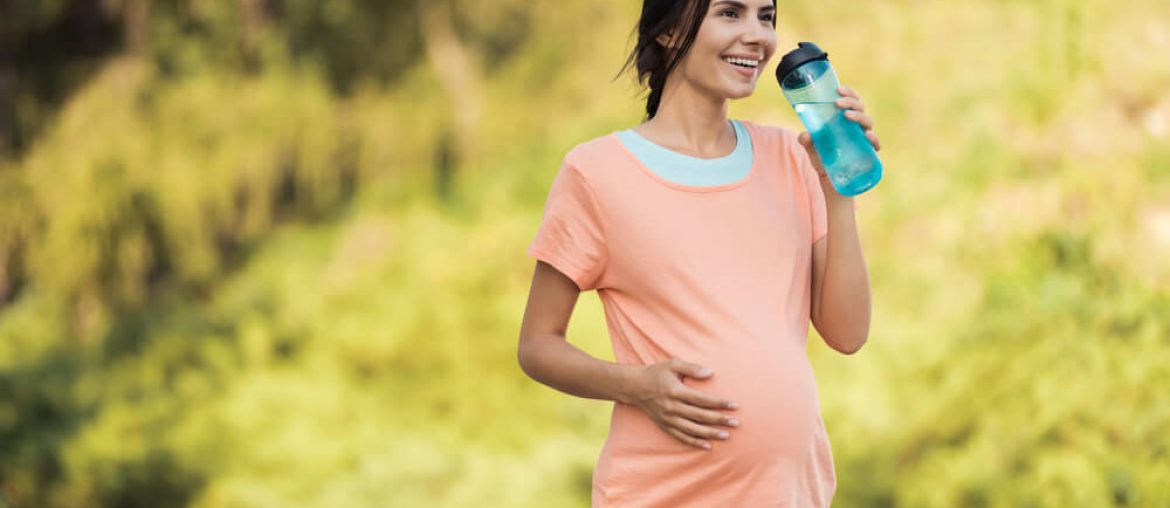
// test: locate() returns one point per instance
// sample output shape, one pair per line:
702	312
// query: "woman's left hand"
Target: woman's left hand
854	110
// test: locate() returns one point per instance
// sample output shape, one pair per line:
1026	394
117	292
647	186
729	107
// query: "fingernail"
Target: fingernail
704	372
706	445
733	422
722	435
733	404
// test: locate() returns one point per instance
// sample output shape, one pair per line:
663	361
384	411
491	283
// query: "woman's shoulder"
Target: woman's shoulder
593	157
594	149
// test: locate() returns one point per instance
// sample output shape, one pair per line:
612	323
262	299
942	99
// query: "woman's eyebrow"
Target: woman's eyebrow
732	3
741	5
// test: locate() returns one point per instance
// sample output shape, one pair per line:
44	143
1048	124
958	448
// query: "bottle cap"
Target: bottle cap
804	53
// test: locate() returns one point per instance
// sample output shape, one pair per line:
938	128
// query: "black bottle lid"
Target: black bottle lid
805	52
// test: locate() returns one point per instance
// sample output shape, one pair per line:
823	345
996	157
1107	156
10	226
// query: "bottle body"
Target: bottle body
850	160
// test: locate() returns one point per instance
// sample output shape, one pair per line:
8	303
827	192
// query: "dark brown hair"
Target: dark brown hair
654	61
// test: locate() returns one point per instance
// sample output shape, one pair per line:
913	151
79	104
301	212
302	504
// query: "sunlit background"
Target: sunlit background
271	253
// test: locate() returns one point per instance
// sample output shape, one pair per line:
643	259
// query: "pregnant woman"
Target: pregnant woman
711	243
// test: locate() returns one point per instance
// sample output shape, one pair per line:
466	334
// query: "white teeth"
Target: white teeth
742	61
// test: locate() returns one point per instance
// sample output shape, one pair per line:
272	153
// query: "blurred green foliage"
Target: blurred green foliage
271	252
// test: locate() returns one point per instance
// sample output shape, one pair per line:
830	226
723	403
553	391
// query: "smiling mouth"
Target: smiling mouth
742	62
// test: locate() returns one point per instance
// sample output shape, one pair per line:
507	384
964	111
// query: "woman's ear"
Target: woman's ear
667	39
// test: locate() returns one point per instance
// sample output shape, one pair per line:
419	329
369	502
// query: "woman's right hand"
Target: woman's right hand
683	412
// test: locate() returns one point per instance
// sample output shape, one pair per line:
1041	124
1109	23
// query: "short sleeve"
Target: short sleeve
571	236
816	195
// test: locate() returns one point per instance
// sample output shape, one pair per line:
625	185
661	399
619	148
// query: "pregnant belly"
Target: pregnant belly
780	429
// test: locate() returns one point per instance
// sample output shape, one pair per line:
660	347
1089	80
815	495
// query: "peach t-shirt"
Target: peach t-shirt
717	275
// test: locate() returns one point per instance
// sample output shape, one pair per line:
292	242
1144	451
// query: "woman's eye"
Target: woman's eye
729	11
770	18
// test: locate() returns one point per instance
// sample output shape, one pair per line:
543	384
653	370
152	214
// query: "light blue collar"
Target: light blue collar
687	170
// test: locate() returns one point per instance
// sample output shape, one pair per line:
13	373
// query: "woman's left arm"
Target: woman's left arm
840	282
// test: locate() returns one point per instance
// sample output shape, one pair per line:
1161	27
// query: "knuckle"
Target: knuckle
669	407
692	428
677	408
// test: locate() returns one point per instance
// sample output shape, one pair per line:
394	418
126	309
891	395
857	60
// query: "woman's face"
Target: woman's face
735	40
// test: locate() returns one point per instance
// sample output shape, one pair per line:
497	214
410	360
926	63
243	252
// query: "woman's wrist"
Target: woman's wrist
627	377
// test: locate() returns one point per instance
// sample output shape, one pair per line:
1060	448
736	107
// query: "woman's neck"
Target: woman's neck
690	122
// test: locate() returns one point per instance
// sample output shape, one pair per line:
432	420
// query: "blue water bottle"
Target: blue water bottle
810	85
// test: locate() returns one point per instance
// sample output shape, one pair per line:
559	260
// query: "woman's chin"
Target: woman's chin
741	92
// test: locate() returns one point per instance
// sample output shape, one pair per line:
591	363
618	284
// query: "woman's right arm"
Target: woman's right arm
548	357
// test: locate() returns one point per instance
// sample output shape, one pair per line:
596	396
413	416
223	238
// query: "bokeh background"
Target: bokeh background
271	253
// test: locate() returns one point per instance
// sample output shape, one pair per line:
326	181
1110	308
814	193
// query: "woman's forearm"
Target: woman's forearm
844	308
555	362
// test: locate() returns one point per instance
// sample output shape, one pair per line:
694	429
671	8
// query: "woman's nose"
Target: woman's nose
757	35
